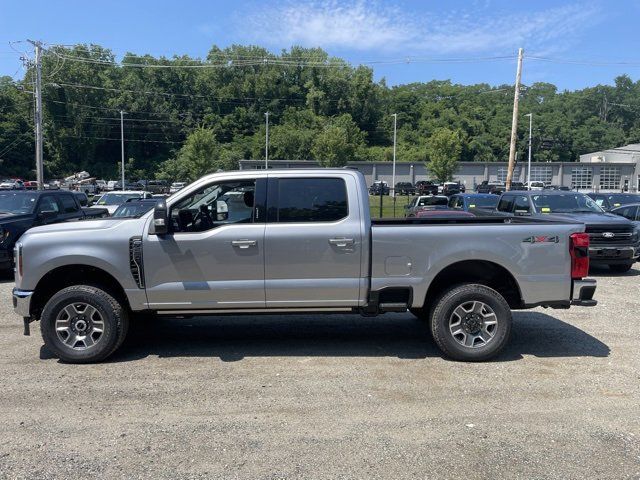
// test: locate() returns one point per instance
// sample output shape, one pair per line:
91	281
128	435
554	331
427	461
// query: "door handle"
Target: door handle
243	243
341	242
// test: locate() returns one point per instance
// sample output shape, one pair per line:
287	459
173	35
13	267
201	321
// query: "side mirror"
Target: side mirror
47	215
160	218
222	211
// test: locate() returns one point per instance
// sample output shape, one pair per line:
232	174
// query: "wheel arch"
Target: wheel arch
484	272
76	274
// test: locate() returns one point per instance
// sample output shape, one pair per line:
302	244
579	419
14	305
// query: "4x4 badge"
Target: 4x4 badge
542	239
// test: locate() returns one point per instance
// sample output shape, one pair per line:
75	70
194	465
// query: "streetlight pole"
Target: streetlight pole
395	136
122	143
266	142
530	115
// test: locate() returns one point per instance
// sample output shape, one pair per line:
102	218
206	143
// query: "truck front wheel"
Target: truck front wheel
471	322
83	324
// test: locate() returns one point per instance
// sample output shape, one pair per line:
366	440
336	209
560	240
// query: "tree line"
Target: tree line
185	117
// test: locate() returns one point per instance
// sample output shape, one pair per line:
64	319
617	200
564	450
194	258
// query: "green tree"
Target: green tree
339	142
443	149
200	154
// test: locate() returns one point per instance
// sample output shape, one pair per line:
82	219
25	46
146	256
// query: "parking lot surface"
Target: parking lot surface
330	397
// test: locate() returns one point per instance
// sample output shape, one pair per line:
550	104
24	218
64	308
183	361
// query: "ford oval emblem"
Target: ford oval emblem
608	234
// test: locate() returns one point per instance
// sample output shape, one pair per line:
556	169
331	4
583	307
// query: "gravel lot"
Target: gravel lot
331	397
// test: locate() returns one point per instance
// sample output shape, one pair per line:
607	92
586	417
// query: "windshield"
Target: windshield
117	198
618	199
427	201
566	203
483	202
17	203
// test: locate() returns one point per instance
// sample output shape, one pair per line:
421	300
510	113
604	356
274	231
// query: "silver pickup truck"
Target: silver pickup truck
290	241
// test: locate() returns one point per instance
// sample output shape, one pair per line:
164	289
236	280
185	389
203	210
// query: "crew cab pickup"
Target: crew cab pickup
292	241
21	210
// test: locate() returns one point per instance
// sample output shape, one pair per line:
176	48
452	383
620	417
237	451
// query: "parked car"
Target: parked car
134	208
11	184
490	187
405	188
473	201
21	210
557	187
310	247
535	186
112	200
177	186
155	186
379	187
426	187
451	188
111	184
630	212
425	202
613	240
609	201
30	185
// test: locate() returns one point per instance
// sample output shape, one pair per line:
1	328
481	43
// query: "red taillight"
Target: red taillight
579	249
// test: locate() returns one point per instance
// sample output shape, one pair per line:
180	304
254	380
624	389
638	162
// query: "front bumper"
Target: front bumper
22	302
583	291
612	255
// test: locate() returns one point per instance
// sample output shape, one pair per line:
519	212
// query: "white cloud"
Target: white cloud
367	26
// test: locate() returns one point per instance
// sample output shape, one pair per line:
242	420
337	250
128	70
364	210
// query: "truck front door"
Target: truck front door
313	242
213	256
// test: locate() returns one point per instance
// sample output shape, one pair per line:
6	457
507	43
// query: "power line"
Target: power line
589	63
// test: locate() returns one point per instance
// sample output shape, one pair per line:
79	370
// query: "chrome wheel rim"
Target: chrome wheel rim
79	326
473	324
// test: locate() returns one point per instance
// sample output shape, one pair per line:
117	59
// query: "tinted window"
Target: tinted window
69	204
506	203
522	204
565	203
627	212
48	204
490	201
311	200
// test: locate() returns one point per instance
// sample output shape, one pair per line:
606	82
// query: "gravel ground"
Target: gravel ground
331	397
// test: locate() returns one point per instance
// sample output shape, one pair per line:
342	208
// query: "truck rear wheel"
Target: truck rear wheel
471	322
83	324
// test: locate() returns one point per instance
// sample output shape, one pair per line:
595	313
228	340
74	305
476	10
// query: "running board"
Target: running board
265	311
393	307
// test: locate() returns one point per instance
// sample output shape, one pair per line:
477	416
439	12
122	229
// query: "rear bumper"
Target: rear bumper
608	255
22	302
583	291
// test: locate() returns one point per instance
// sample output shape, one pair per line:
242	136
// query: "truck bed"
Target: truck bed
482	220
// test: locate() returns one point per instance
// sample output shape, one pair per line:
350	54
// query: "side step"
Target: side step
393	307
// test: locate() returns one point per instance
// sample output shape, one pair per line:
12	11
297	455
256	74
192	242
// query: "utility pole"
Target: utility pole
514	123
266	142
122	144
38	116
395	136
530	115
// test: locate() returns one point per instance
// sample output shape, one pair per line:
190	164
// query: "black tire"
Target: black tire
460	296
621	267
114	317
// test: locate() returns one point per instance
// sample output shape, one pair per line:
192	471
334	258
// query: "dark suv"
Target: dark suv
490	187
614	241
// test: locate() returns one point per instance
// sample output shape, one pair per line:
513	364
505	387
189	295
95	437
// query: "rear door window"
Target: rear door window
506	203
48	204
69	204
310	200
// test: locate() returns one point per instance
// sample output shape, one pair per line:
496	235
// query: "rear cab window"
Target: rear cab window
506	203
308	200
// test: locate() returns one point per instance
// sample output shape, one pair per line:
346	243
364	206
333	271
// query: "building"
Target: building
612	173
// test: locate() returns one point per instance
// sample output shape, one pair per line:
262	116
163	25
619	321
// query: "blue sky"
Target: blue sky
596	31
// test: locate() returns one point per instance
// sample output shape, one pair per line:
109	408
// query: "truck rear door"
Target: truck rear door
313	241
